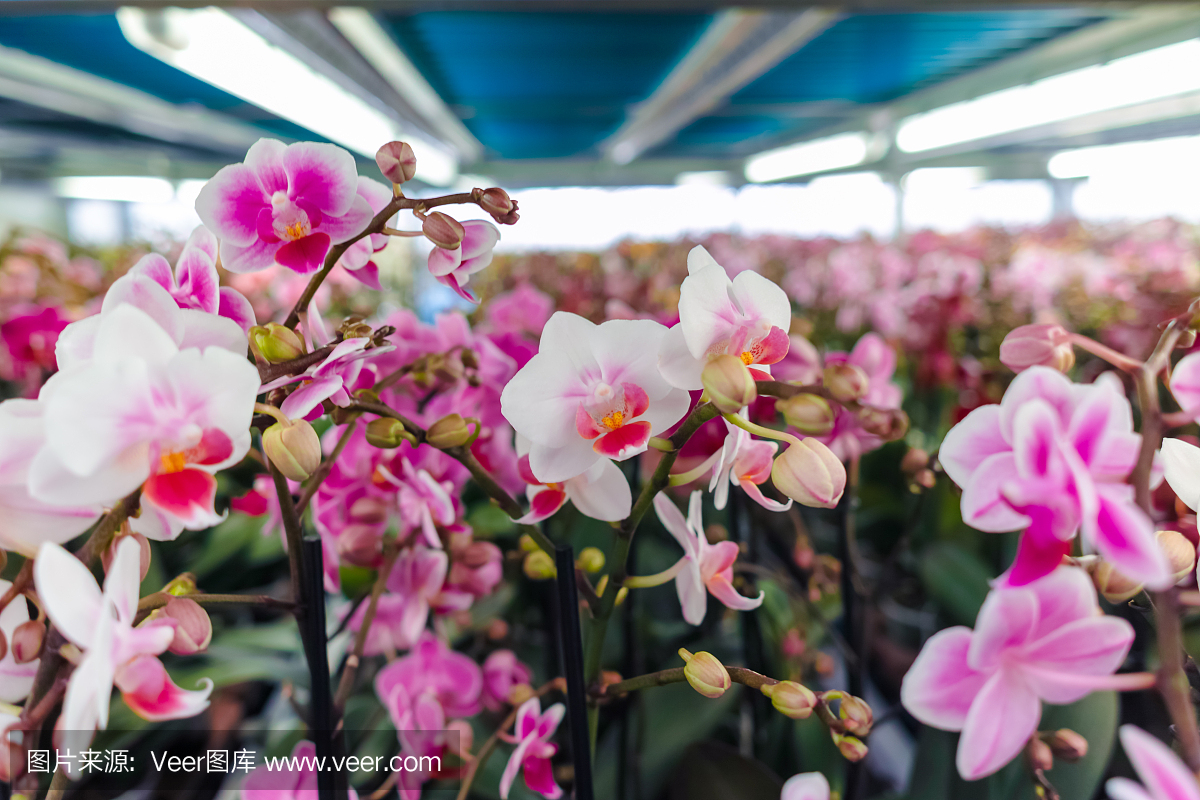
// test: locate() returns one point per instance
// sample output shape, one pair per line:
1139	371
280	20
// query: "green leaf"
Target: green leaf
956	579
716	771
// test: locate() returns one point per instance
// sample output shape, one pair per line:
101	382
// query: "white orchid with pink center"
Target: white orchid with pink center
285	204
591	392
600	493
747	317
115	650
454	267
745	462
532	734
705	568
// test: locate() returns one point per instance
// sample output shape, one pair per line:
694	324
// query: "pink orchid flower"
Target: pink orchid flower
806	786
501	672
877	359
591	392
745	462
100	623
285	204
1053	458
299	782
417	578
533	749
704	566
27	339
424	502
454	267
194	282
357	260
1164	776
431	666
144	413
15	679
748	317
1045	641
600	493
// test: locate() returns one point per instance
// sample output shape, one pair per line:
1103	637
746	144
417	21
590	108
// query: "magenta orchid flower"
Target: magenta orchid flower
745	462
1164	776
357	259
533	749
705	568
454	267
193	283
806	786
1045	641
27	339
424	502
600	493
285	204
143	413
416	579
501	672
1053	458
591	392
432	667
748	317
297	782
15	679
115	652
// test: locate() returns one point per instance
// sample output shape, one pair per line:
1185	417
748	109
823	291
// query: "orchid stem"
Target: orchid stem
657	579
1118	360
684	478
346	685
759	430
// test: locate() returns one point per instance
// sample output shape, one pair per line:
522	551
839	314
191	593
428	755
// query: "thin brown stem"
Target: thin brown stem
268	372
322	472
291	528
160	599
20	584
489	746
346	685
746	677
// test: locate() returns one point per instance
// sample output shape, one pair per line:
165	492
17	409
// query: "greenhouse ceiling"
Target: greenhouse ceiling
590	92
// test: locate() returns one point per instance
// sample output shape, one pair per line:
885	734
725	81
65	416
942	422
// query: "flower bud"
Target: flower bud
496	202
369	511
1181	553
807	413
181	585
527	544
1046	345
856	715
443	230
361	545
1039	755
851	748
791	699
705	673
110	552
728	383
27	638
466	736
888	424
539	566
1068	745
294	448
497	630
914	461
388	433
396	161
810	474
1115	587
276	343
519	694
449	431
846	382
193	628
591	559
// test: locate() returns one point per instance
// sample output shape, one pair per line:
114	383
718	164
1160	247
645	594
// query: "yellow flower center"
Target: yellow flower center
747	357
172	462
297	230
614	420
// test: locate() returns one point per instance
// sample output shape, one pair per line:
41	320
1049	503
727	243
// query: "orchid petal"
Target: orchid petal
998	726
941	686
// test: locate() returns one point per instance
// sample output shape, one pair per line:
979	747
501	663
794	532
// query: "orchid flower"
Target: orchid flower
501	672
101	624
15	679
806	786
600	493
1052	458
416	578
591	392
194	282
424	502
286	204
357	259
454	679
704	566
533	749
745	462
1045	641
298	782
876	358
1181	462
748	317
1164	776
143	413
454	267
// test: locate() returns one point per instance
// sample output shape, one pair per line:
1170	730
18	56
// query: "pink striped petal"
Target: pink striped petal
1006	621
1001	720
1163	773
720	588
940	686
151	694
229	204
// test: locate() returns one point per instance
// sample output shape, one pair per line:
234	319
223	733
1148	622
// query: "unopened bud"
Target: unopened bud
791	699
277	343
925	478
369	511
443	230
193	628
110	552
705	673
528	544
807	413
609	677
397	161
496	202
914	461
1067	745
361	545
728	383
181	585
539	566
387	433
846	382
1047	345
851	747
1181	553
466	735
520	693
810	474
497	630
1039	755
293	447
449	431
1115	587
888	424
26	643
856	715
591	559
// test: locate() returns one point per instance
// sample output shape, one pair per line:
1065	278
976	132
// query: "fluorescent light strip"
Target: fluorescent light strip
807	158
1150	75
213	46
1161	156
120	188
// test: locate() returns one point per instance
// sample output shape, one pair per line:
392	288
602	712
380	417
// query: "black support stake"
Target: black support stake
572	649
321	695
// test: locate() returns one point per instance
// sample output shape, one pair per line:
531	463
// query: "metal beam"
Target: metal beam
13	7
737	47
